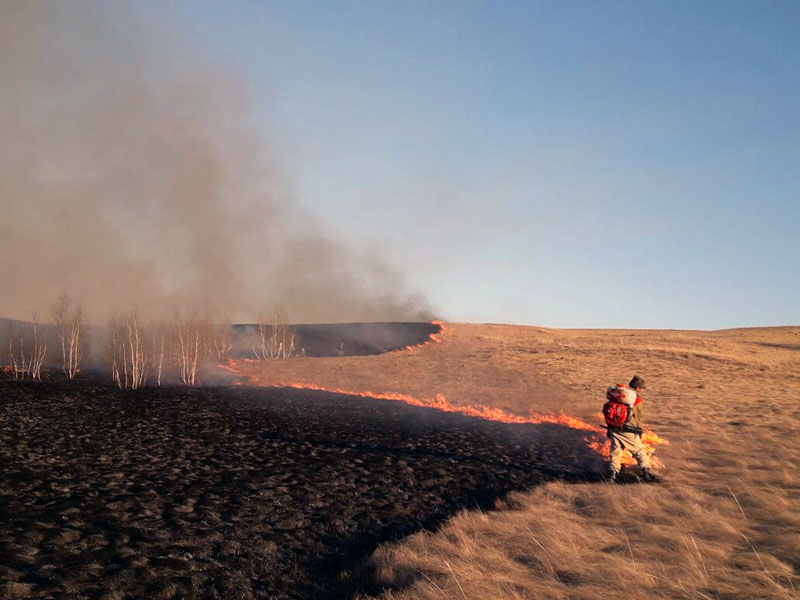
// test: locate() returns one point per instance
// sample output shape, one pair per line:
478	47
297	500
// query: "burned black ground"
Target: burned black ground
342	339
234	491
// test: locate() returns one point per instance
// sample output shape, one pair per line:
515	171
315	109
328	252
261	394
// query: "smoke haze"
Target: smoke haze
131	178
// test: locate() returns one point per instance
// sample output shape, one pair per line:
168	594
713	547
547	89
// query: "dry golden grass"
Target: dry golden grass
725	525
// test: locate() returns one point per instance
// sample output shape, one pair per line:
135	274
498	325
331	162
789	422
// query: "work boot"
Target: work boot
649	476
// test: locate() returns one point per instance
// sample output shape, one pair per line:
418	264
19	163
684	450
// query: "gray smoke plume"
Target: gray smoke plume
131	178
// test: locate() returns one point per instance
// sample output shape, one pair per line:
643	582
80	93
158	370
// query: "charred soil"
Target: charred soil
236	491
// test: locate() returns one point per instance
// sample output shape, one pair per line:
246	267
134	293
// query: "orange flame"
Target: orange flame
433	338
439	402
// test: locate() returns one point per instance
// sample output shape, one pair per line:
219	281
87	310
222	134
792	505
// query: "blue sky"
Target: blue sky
574	164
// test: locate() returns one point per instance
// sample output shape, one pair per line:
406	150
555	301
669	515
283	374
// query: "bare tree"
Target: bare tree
69	325
221	343
39	351
159	343
283	336
207	332
13	366
260	345
188	344
128	351
137	350
274	340
114	350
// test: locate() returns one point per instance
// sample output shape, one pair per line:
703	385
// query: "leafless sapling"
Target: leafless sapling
159	344
68	321
221	343
128	351
188	346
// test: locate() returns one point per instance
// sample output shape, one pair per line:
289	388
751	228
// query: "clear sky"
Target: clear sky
575	164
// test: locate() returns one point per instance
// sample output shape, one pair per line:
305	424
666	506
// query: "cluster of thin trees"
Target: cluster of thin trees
27	346
138	352
26	353
275	340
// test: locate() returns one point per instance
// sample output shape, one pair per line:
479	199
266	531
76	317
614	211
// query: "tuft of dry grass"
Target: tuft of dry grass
725	525
571	541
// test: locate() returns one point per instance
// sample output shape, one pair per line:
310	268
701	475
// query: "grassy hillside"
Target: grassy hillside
726	524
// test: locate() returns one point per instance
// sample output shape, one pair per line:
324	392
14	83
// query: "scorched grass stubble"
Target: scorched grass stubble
235	491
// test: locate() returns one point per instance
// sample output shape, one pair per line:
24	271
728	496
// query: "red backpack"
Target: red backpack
618	408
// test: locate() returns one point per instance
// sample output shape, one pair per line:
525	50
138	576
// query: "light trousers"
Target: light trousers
626	440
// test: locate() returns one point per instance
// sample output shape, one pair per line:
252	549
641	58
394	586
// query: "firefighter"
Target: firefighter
625	428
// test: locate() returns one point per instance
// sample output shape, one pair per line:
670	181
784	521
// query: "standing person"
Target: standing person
623	413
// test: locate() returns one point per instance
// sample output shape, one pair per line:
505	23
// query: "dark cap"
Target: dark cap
636	382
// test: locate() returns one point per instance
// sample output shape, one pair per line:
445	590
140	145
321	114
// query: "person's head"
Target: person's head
637	383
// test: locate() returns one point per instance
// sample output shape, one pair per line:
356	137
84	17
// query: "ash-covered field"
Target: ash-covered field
238	492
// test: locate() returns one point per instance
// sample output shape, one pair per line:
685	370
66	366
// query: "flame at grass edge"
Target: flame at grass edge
439	402
433	338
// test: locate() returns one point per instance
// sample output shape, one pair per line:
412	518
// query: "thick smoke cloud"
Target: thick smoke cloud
131	178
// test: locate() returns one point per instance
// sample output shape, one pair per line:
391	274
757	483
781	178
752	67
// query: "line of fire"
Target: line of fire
595	434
